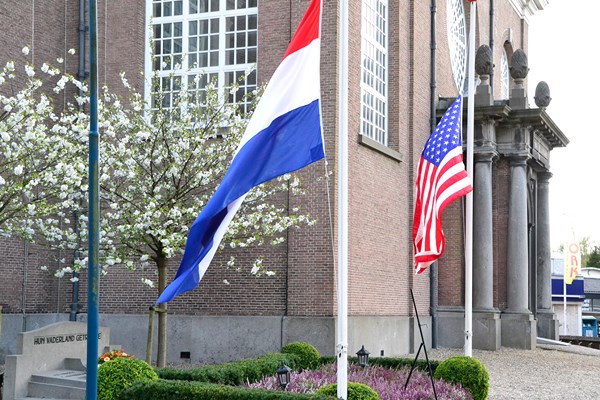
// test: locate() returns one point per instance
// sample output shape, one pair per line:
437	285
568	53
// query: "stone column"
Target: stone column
518	325
547	320
483	238
486	332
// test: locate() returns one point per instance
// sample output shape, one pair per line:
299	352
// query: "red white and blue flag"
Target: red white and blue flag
441	179
283	135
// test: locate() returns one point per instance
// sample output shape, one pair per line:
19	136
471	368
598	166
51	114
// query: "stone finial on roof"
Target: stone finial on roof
542	95
518	65
484	67
484	60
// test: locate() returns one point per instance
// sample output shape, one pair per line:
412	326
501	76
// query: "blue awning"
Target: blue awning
575	291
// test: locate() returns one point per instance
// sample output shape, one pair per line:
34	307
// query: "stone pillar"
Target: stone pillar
518	324
483	238
486	329
547	320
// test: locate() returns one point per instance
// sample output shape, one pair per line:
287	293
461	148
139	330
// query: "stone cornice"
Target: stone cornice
526	8
539	119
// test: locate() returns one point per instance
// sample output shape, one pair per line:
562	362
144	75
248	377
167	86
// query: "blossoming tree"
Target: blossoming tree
161	160
159	165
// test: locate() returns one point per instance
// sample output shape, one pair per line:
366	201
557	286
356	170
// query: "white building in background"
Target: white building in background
567	308
591	304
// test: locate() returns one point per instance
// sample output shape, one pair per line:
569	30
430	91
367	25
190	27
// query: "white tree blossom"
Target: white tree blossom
160	164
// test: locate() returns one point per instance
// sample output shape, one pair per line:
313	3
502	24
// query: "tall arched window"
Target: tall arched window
504	76
457	41
374	70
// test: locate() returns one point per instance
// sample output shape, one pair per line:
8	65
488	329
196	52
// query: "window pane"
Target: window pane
178	8
193	5
251	56
252	21
230	57
203	24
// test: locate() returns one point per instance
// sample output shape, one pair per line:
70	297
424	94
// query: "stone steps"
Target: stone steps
62	384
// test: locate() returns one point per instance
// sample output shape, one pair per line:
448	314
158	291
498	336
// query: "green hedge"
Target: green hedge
178	390
388	362
234	373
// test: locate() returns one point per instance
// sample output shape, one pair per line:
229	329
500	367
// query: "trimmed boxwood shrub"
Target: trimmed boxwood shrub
467	371
356	391
308	355
234	373
177	390
121	373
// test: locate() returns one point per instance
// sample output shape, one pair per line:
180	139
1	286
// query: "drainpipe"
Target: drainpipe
492	44
81	75
433	271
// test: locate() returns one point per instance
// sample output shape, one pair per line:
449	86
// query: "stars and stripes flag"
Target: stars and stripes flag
441	179
283	135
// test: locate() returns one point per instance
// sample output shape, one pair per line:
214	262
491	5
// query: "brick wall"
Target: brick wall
381	188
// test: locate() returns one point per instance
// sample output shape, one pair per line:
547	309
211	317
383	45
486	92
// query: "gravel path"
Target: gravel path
548	372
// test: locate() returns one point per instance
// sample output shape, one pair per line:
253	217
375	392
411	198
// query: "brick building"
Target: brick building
404	57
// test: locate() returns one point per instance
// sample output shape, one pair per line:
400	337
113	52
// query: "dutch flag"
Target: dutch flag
283	135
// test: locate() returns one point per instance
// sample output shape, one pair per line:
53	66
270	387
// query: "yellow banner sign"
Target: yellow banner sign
572	262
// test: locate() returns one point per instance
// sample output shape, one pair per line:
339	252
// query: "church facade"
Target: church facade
407	61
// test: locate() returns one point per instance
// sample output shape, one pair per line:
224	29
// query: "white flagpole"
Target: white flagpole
342	323
469	205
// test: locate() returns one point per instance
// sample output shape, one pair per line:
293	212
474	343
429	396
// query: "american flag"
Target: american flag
441	179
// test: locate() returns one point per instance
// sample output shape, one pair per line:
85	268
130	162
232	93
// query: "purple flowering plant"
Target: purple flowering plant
387	382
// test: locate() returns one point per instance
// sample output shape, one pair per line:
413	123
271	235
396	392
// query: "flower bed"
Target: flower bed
387	382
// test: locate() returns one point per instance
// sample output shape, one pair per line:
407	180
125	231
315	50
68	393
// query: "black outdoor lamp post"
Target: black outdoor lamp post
284	374
363	357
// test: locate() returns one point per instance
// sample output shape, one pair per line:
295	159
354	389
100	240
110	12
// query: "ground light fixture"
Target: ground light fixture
363	357
284	374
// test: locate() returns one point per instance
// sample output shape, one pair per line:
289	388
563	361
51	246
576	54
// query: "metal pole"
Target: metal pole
342	332
469	203
93	217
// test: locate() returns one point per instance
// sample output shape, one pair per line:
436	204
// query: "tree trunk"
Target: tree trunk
161	356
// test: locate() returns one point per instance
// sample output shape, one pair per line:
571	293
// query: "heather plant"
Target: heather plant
307	354
388	383
467	371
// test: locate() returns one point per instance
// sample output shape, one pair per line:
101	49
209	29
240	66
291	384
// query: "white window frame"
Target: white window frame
374	82
189	71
